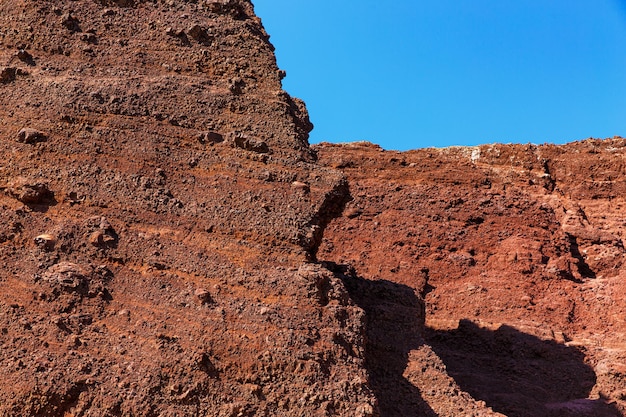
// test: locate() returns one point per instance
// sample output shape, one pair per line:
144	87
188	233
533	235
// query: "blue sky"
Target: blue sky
409	74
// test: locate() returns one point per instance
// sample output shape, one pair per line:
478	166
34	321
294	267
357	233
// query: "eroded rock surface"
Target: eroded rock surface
155	253
518	251
170	244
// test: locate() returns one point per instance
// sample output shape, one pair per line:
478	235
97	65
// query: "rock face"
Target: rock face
518	251
171	245
156	256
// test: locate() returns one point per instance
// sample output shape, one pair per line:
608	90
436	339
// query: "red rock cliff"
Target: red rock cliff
160	206
518	251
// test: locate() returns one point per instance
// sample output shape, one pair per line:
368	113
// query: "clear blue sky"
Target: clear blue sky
415	73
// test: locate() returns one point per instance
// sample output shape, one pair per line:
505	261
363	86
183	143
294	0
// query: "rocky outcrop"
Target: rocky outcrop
171	245
517	250
160	208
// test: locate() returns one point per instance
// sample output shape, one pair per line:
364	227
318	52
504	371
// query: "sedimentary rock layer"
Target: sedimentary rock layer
160	208
518	251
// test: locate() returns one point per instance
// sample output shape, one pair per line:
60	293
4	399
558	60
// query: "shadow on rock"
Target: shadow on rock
518	374
394	324
583	267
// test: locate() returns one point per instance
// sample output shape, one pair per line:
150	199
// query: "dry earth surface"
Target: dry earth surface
171	245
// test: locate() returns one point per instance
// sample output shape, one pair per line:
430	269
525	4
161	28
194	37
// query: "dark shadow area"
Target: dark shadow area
583	268
331	208
518	374
41	208
394	321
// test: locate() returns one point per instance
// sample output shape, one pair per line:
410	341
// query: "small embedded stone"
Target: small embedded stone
199	33
26	57
97	238
74	341
30	136
67	274
73	198
210	137
37	193
100	238
235	85
70	22
203	361
266	176
203	295
104	235
250	144
298	185
103	271
7	75
105	225
45	241
175	32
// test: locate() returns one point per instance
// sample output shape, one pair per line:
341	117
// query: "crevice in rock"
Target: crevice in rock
583	268
549	181
331	207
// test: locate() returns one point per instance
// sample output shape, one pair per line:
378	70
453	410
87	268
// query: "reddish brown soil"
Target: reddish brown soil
168	246
518	252
174	181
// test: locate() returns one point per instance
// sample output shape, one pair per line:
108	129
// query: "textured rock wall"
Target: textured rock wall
159	211
518	251
171	246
